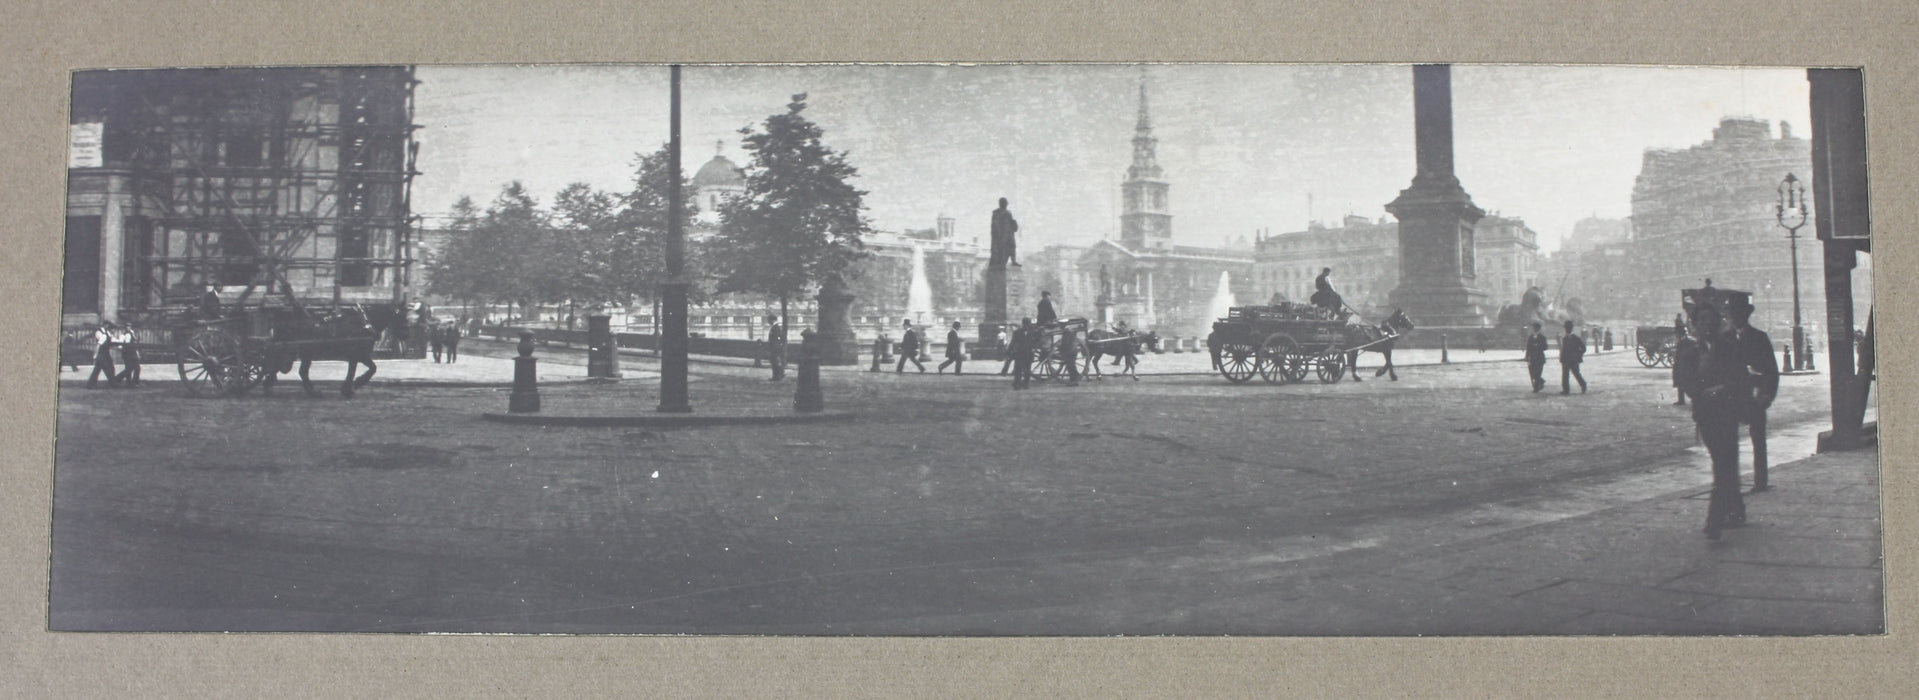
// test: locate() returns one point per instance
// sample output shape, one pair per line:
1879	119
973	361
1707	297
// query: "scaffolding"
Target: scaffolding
282	187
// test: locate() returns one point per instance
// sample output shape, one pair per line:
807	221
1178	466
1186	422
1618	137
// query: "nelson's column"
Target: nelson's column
1436	218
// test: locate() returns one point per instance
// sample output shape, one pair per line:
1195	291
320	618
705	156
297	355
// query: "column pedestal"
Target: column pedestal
837	343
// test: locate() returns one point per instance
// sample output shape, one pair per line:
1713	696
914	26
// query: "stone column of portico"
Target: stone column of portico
1436	218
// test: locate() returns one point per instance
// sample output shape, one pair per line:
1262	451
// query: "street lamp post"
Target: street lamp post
1791	213
673	292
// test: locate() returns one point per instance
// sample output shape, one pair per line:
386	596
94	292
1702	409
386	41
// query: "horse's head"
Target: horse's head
1399	322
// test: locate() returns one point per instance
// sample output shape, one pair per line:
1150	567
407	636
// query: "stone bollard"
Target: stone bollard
879	348
1808	358
808	398
1443	358
526	383
602	355
1785	356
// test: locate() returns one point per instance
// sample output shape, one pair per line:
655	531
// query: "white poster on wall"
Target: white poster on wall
83	145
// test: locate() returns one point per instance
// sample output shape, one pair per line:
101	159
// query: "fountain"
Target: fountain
919	294
1223	300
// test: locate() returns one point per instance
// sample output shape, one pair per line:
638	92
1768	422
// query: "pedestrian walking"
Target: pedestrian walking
776	346
1046	313
1024	342
1536	357
1006	367
1732	384
1572	351
909	349
1069	356
1685	359
129	357
452	343
955	351
1753	350
436	341
103	356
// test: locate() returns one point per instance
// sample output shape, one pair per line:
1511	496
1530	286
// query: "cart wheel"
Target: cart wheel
1274	357
1667	350
1645	356
1297	365
1050	366
1238	362
1332	367
209	362
249	374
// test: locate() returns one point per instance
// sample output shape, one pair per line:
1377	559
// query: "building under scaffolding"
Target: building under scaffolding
277	186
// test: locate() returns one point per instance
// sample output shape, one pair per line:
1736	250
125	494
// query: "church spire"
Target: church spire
1145	147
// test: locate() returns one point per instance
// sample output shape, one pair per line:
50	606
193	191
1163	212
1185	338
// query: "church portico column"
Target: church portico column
1437	280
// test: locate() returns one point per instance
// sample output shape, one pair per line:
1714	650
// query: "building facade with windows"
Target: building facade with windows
284	182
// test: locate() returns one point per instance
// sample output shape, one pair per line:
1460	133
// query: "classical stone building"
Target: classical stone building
717	181
1144	277
1364	256
259	181
1709	211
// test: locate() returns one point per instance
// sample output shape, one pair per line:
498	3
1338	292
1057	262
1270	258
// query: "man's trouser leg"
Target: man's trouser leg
1722	443
1757	429
1565	378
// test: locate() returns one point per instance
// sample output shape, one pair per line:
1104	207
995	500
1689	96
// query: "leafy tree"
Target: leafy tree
577	258
636	252
800	221
451	271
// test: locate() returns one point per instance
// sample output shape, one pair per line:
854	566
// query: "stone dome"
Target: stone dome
719	172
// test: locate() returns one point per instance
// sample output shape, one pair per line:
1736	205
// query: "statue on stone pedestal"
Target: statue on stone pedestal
1004	246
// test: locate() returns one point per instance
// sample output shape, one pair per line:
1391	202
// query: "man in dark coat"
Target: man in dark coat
1536	357
955	350
1323	295
1020	349
1754	352
1069	356
1735	381
776	346
1046	314
1685	358
452	342
103	338
909	349
1572	351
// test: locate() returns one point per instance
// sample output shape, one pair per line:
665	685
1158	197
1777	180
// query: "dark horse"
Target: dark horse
344	334
1384	335
1120	346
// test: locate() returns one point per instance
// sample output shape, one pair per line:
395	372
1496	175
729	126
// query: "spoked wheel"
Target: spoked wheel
1297	365
1050	364
1647	356
1274	357
211	363
1238	362
1332	366
1667	350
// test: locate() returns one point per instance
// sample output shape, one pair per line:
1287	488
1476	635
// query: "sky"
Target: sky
1245	147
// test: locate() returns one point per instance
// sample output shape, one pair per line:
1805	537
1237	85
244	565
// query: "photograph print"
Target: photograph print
968	350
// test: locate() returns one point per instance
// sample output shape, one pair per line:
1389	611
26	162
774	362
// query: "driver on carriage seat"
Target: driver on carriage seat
1324	297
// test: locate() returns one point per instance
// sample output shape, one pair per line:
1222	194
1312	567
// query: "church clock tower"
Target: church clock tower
1145	223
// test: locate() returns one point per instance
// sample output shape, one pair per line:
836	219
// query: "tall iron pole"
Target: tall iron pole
1791	212
673	344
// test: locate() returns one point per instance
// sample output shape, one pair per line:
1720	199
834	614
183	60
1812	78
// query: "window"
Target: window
80	287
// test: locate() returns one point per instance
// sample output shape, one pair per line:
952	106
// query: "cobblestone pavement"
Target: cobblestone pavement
1454	501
